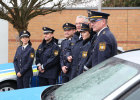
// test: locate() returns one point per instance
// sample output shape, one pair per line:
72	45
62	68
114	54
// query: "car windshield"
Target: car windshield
98	82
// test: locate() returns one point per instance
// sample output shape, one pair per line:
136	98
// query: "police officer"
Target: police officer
105	45
47	59
76	43
69	30
86	45
23	61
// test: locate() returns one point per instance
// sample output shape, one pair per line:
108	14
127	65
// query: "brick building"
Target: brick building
123	22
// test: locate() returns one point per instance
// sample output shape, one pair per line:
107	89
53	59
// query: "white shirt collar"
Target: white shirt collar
80	36
101	31
25	46
69	38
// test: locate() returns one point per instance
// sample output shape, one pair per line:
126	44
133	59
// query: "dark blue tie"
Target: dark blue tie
23	48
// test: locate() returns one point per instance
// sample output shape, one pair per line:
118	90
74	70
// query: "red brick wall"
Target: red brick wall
124	24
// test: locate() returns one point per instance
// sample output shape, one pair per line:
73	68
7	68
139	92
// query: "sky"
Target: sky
90	3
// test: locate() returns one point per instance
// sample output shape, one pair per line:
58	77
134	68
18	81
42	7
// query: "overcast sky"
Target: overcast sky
90	3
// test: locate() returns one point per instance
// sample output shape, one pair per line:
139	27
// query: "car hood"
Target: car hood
23	94
8	67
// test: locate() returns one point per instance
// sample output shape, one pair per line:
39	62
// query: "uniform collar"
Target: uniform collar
101	31
25	46
51	42
87	40
69	38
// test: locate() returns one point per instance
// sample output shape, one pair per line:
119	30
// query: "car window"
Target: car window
132	94
96	83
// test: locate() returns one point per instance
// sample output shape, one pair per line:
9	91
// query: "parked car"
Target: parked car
117	78
8	77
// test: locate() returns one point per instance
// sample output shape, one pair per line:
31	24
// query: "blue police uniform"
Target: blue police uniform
64	49
85	49
105	45
23	61
63	60
47	55
84	55
74	48
92	41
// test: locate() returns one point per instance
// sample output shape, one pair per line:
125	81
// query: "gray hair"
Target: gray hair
84	17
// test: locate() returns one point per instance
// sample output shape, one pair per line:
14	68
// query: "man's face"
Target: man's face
97	25
85	35
78	23
69	33
48	36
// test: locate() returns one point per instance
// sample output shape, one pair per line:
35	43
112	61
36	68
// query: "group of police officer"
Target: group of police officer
87	43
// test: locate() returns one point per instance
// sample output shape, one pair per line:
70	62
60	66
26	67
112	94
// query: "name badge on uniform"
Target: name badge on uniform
55	52
102	46
32	55
84	54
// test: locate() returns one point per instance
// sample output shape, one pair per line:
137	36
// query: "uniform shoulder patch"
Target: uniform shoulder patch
102	46
55	52
32	55
84	54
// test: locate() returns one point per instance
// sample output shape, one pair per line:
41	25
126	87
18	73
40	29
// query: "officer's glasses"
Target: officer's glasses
93	21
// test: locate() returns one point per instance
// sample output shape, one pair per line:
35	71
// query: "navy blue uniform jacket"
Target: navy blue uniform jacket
63	58
23	60
105	47
48	56
84	55
74	51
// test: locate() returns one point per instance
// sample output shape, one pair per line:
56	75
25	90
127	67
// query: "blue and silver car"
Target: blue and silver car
117	78
8	77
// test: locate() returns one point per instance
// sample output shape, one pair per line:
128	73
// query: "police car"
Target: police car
117	78
8	77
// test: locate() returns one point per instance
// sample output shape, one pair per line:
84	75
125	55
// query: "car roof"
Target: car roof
132	56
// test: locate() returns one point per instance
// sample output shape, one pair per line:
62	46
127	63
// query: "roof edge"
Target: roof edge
86	8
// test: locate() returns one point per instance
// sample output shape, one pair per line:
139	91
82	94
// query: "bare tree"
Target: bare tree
20	12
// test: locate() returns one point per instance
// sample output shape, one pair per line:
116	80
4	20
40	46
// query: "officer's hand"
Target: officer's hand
39	68
85	69
19	74
69	58
64	69
42	71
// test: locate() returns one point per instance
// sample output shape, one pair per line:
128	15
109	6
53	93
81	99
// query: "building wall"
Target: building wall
124	24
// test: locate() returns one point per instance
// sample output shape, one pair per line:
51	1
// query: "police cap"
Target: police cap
68	26
47	30
94	15
24	34
84	27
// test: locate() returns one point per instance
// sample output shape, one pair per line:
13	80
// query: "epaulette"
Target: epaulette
104	32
